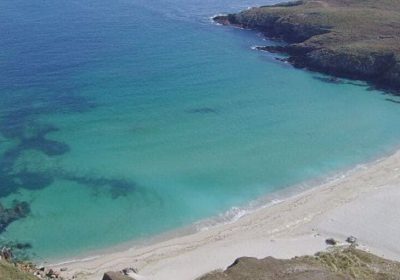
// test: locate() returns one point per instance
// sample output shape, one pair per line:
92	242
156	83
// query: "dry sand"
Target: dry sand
365	203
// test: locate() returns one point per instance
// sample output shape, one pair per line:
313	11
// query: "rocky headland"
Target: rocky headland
357	39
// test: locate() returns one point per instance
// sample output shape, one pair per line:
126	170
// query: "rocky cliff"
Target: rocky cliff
358	39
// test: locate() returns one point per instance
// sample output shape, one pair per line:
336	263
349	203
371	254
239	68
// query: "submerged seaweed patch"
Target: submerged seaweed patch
202	110
48	147
118	187
21	126
17	211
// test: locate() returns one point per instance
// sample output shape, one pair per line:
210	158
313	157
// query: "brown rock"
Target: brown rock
331	241
128	270
112	275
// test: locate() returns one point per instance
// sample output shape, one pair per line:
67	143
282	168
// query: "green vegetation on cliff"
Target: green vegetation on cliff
339	264
9	271
348	38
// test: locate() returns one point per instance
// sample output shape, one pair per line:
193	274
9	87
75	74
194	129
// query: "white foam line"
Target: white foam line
77	260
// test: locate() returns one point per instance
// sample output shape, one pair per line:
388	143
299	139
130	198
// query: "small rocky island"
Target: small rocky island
357	39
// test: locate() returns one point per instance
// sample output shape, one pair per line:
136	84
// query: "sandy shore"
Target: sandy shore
366	204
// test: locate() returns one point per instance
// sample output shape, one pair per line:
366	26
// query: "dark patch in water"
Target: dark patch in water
338	81
392	100
79	104
202	110
331	80
118	187
22	246
8	159
34	180
25	99
8	215
20	250
19	124
49	147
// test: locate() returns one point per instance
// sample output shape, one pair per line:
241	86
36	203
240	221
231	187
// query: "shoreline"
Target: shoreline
297	225
230	216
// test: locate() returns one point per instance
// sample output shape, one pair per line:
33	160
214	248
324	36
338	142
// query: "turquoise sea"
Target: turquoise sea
123	119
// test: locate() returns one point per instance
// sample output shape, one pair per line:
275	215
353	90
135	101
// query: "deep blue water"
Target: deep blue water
123	120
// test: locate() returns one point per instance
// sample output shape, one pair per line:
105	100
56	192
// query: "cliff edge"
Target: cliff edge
339	264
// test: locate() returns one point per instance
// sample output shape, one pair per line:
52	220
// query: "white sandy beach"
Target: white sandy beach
366	204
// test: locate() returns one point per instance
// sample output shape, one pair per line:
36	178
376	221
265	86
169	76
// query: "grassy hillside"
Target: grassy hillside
339	264
10	272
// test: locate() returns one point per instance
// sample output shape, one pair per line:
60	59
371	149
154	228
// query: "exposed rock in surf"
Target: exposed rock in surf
351	239
222	19
129	270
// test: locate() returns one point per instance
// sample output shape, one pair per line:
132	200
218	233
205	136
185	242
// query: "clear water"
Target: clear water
124	119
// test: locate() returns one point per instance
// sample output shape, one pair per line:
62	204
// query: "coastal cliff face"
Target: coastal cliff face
352	39
339	264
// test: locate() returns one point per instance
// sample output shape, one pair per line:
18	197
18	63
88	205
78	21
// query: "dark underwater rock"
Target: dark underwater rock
118	187
18	211
202	110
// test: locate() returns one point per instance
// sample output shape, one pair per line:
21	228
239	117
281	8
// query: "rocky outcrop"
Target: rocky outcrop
391	78
365	65
111	275
273	25
340	264
340	38
352	240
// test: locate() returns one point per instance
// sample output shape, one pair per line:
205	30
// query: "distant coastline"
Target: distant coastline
344	39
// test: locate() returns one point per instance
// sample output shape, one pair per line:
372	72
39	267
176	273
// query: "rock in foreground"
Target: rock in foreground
340	264
111	275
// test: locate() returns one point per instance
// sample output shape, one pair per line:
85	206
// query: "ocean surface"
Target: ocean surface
120	120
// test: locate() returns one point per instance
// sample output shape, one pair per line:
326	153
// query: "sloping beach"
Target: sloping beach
363	203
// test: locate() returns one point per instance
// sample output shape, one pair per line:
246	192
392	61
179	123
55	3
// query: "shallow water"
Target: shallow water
127	119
